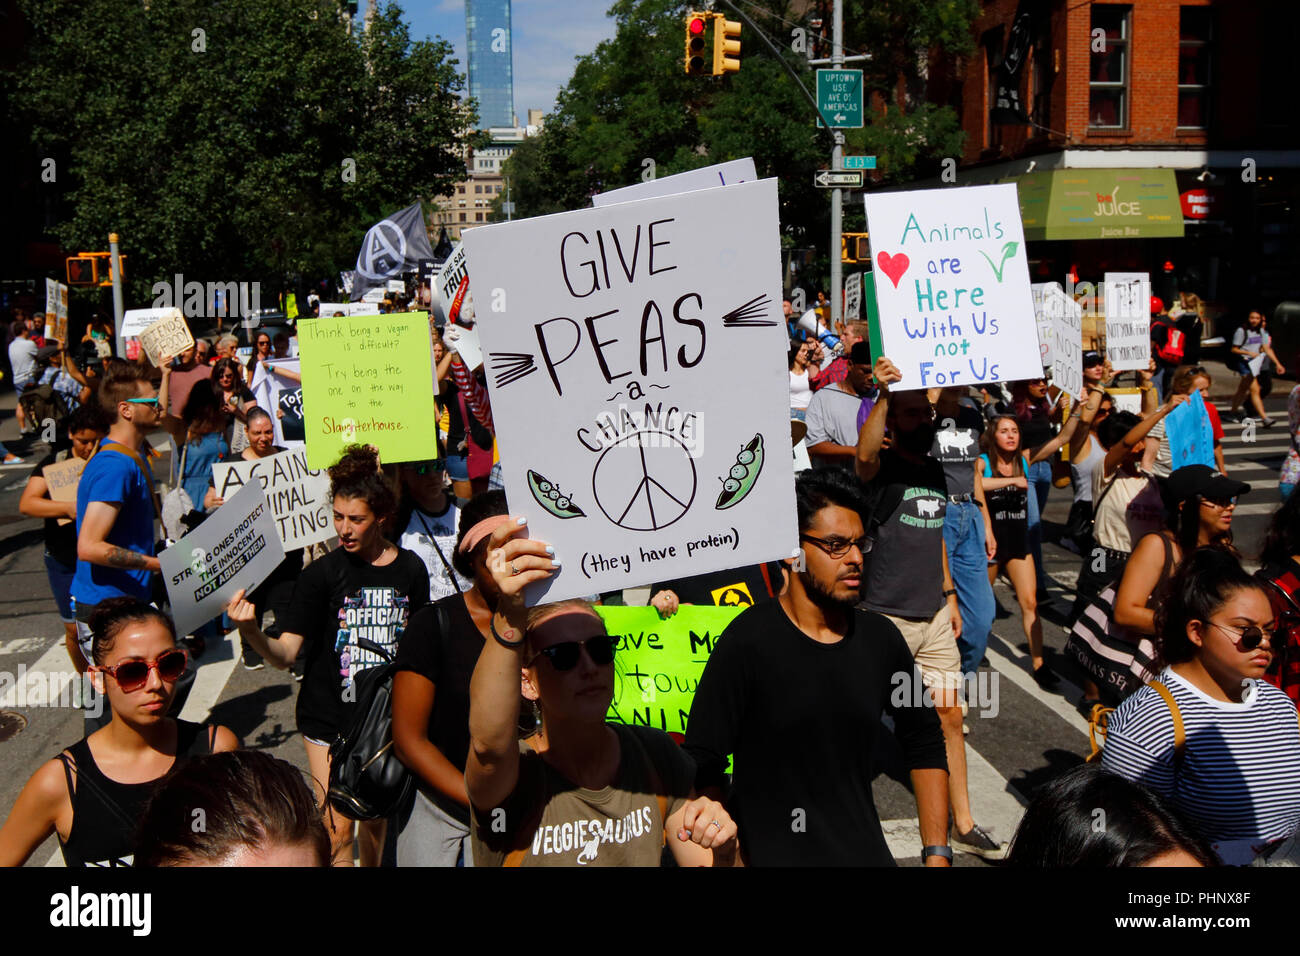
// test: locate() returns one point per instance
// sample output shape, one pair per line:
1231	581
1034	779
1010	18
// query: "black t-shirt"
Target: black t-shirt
802	721
60	540
339	599
1036	428
741	587
447	660
904	571
957	445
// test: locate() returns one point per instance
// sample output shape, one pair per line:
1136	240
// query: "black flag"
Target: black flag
1007	109
392	246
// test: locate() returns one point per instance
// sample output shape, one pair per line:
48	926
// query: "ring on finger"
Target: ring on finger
513	570
715	823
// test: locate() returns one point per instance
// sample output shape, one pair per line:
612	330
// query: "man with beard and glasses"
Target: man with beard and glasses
794	691
908	579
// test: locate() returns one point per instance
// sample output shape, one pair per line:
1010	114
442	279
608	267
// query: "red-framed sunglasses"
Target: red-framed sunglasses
133	675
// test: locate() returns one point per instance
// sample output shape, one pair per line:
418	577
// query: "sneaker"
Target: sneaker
252	660
1044	677
1268	422
978	842
1231	416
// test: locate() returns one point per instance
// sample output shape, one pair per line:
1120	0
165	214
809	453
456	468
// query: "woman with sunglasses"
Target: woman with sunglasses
1219	743
236	401
261	353
427	518
93	794
580	791
431	695
1086	450
366	589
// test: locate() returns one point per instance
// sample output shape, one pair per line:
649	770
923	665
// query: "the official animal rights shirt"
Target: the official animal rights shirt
339	599
802	721
561	824
957	445
433	538
904	571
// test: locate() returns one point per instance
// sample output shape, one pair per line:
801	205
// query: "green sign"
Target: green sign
658	662
368	380
859	162
839	97
1100	204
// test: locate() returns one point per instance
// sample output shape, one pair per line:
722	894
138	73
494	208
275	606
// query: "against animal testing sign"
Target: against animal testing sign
952	286
636	359
237	547
368	380
299	496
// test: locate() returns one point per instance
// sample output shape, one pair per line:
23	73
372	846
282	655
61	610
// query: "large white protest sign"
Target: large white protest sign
299	496
56	311
1128	320
1038	290
952	286
281	397
706	177
636	359
237	547
170	335
448	285
1066	321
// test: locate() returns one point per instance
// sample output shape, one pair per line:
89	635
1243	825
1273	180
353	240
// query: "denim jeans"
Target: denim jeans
963	536
1040	483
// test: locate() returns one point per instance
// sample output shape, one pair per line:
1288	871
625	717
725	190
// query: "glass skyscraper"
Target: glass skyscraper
491	70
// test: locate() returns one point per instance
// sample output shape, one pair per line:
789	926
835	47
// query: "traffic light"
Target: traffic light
106	272
83	270
696	25
726	45
854	247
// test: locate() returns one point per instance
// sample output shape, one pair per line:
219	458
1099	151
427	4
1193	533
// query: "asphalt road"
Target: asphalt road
1020	735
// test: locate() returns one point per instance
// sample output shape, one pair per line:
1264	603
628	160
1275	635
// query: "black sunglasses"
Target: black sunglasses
1248	638
564	656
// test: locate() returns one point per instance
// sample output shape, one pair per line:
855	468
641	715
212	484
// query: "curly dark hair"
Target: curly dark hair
357	475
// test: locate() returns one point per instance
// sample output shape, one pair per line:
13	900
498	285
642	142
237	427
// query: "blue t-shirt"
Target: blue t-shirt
200	456
115	478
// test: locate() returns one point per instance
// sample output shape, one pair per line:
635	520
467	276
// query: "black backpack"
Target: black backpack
42	403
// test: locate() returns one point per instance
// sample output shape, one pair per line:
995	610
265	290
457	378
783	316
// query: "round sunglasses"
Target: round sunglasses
1247	638
133	675
564	656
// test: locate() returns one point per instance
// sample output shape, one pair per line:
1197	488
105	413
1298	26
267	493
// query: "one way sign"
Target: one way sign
838	179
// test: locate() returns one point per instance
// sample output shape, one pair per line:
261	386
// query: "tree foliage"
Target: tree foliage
215	135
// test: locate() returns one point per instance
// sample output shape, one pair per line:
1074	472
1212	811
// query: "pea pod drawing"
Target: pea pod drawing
551	498
740	479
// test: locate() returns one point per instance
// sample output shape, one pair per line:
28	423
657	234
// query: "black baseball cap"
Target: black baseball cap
1093	358
1192	480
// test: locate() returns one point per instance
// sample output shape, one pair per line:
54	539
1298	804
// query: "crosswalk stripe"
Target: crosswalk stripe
53	671
1013	666
22	645
210	680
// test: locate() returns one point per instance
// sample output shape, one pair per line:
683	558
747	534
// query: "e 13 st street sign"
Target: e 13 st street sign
839	97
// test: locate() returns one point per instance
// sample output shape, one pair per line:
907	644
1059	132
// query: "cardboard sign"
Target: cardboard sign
56	311
706	177
368	380
1128	320
299	496
1190	434
659	662
1126	400
636	359
952	286
448	283
853	297
465	343
62	478
170	335
237	547
1065	317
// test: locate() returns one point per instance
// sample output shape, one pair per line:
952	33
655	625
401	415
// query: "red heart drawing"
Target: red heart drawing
893	266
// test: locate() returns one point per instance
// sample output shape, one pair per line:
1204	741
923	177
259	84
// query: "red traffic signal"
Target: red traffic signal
696	62
82	270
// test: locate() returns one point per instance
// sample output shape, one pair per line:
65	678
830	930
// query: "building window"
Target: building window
1194	38
478	189
478	217
464	217
1040	75
992	43
1108	67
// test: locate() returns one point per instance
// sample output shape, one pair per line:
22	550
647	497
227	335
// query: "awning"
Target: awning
1099	204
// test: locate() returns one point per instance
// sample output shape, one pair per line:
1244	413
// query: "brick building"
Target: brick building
1159	138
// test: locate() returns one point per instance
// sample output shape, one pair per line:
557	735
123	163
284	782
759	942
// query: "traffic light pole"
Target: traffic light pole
115	264
837	195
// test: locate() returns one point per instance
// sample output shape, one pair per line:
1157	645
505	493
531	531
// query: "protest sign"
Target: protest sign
952	286
1126	400
282	398
299	496
1066	320
636	359
368	380
465	343
659	662
236	547
1191	437
706	177
453	274
62	478
330	309
56	311
1128	320
1038	290
802	461
853	297
170	335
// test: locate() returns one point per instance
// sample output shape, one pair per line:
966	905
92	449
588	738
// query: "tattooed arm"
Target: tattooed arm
93	547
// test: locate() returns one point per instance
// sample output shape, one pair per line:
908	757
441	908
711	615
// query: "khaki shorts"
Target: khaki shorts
933	647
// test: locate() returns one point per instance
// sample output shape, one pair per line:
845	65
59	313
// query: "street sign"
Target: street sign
838	179
839	97
859	162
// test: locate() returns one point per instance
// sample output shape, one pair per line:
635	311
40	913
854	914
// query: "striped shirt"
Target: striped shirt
1238	780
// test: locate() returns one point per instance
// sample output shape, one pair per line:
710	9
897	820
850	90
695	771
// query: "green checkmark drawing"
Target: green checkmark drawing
1008	251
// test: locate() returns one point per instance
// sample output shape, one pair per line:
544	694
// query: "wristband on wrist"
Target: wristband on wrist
943	851
949	592
513	645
